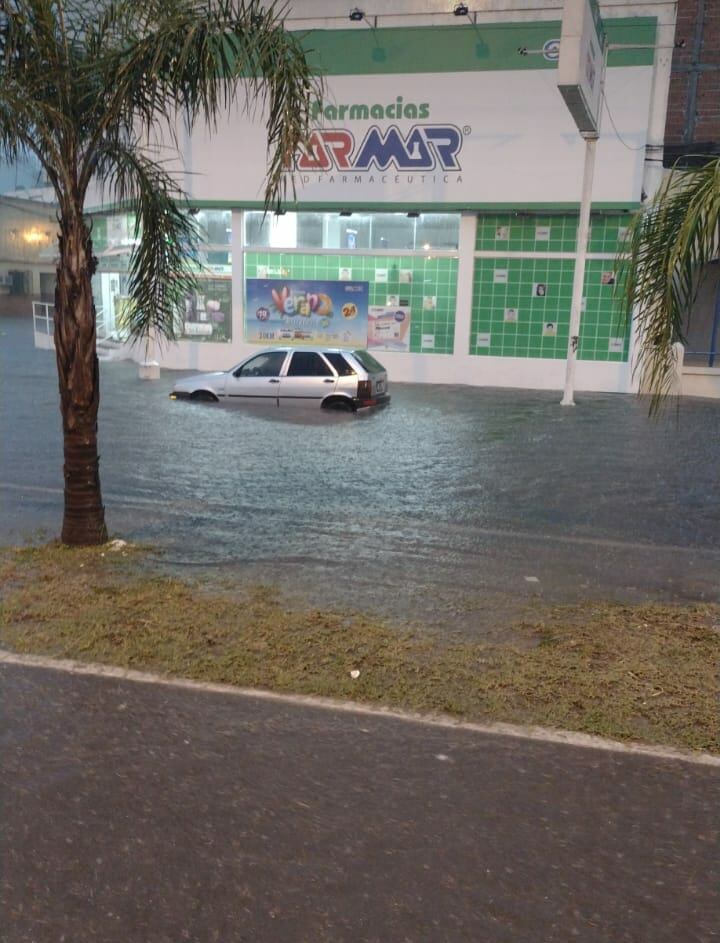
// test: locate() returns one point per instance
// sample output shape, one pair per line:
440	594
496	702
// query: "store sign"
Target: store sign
423	147
290	312
582	63
468	139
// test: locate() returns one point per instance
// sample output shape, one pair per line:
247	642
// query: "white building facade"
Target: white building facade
436	206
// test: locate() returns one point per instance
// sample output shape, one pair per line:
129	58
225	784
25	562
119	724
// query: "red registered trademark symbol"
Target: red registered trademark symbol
467	129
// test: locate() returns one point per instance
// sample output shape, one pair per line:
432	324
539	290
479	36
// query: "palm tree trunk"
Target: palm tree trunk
79	378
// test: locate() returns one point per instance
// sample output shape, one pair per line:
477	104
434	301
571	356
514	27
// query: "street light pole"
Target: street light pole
579	278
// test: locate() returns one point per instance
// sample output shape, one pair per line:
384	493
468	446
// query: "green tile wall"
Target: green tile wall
431	277
599	323
603	335
602	319
510	232
607	232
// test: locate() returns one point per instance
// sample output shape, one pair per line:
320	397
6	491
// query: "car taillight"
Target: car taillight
364	389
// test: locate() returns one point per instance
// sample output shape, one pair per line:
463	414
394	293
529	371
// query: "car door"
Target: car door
308	379
257	380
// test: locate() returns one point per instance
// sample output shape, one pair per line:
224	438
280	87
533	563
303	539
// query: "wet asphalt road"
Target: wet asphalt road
144	813
455	506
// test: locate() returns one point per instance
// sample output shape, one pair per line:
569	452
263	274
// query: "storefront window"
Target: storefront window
391	231
215	226
206	313
215	236
110	294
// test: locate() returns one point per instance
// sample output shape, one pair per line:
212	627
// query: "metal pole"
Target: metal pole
579	279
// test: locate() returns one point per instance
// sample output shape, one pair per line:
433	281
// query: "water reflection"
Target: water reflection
417	502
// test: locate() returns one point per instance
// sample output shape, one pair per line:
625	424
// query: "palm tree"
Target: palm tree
84	84
668	246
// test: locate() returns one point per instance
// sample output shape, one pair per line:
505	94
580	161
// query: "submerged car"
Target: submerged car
327	376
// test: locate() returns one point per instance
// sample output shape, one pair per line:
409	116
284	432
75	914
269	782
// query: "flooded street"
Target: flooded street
455	506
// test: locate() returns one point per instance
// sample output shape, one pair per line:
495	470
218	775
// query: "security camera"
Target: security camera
357	15
461	9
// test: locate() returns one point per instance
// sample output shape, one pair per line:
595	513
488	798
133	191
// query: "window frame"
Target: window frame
339	353
261	353
315	353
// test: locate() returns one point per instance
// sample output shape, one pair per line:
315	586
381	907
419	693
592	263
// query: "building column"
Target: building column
237	245
466	274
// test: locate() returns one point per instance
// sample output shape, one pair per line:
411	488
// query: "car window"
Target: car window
342	367
306	363
368	361
268	364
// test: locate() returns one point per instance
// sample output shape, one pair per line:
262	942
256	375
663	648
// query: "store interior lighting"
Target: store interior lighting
34	236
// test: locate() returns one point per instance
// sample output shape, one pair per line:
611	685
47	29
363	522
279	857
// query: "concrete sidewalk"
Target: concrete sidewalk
156	813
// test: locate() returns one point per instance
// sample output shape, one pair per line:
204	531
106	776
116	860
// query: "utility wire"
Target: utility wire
624	143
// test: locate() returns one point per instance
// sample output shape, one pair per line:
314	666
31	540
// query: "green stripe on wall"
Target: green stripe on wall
462	48
369	207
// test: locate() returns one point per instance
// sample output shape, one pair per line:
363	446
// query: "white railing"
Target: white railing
100	331
44	324
43	318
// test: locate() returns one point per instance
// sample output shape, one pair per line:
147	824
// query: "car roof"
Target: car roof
321	350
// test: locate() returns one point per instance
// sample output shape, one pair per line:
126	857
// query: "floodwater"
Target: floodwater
454	506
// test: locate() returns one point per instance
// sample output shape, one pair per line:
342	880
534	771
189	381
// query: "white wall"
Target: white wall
523	148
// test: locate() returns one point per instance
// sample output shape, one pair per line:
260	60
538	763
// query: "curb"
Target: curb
517	731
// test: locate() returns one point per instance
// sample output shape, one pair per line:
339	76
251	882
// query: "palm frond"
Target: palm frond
161	270
32	72
201	59
661	263
85	84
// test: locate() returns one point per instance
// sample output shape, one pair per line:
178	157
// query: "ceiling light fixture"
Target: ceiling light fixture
357	15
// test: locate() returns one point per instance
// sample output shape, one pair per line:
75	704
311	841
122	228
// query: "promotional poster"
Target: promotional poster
207	312
389	328
290	312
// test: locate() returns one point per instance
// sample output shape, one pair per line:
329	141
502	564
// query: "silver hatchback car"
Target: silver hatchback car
327	376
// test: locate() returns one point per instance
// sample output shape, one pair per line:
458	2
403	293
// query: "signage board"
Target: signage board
582	63
299	313
463	139
389	328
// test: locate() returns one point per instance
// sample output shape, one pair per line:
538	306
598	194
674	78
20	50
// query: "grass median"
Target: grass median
645	673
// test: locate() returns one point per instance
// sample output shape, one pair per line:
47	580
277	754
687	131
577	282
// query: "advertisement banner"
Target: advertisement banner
389	328
207	313
290	312
462	139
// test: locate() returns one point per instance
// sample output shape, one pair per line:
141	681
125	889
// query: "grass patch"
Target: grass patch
629	672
